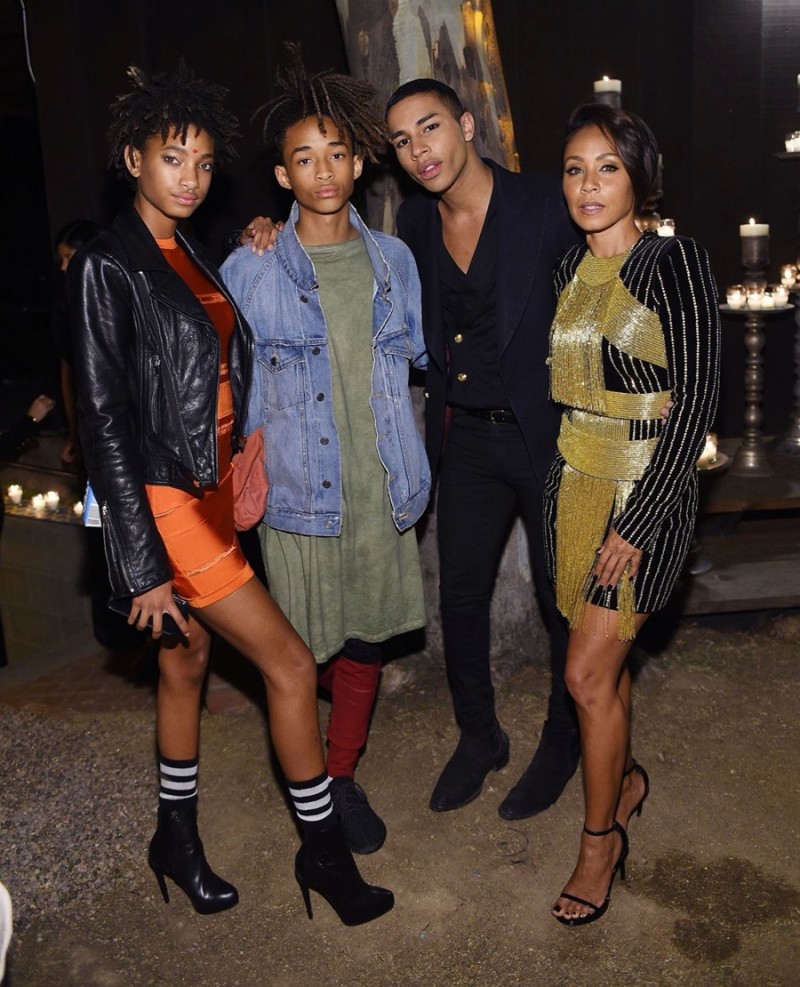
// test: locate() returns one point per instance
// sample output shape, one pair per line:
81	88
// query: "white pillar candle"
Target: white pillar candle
77	508
37	502
752	228
709	454
15	493
780	294
736	296
767	301
754	299
51	500
608	91
788	274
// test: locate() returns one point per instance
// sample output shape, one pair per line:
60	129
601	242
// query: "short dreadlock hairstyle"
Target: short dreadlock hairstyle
159	104
348	102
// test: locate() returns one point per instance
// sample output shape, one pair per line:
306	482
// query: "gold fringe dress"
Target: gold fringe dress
630	333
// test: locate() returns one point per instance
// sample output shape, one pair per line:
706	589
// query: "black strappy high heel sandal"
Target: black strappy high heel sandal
599	910
637	809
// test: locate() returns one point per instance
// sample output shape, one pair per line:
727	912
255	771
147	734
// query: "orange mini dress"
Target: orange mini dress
198	532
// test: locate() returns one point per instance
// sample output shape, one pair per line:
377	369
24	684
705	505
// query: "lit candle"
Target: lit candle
755	244
709	454
780	294
666	227
77	508
37	502
754	297
752	228
792	142
608	91
51	499
736	296
15	493
788	275
767	300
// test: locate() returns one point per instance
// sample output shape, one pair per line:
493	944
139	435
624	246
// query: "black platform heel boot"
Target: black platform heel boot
177	852
324	864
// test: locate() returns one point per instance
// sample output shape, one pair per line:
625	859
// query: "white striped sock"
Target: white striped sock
178	779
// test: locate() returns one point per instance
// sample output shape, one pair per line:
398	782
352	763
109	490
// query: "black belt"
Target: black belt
497	416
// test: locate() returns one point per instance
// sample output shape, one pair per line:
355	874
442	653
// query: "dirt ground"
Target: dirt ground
713	889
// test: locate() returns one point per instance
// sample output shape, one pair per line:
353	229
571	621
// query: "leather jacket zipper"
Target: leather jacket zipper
114	557
155	418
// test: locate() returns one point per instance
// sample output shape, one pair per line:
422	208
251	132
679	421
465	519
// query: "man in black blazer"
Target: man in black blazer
486	241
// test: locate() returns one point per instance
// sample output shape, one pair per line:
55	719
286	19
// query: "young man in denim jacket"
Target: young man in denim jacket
335	311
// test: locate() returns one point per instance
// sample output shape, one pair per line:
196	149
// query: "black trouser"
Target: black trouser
486	477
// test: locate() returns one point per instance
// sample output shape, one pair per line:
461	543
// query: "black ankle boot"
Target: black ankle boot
176	852
325	864
545	778
475	756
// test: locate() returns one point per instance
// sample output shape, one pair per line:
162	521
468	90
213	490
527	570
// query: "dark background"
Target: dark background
716	80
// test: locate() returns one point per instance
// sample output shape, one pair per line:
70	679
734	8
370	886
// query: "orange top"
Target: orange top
198	533
221	314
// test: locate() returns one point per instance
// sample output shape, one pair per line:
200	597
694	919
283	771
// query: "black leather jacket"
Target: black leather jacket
147	374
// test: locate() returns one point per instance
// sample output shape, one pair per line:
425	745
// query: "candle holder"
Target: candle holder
790	443
751	456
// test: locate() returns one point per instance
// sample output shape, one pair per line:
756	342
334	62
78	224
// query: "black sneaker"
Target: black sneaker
363	829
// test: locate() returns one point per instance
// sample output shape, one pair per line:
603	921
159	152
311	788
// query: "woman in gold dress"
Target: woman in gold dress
636	326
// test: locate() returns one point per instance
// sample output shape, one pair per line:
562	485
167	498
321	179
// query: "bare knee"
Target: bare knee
184	665
291	668
582	684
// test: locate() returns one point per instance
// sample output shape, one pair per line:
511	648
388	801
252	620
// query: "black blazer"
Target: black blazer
534	230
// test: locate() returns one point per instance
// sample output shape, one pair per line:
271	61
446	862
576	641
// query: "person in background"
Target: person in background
163	364
69	240
485	241
636	325
336	317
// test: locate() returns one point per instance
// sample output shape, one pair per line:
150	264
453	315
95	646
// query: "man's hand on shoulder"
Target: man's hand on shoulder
260	234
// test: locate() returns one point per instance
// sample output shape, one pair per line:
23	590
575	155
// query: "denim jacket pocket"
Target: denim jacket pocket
396	353
282	374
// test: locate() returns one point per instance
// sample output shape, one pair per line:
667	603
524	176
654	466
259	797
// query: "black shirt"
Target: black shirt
470	320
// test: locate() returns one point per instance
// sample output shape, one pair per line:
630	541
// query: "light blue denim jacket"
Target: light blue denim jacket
291	393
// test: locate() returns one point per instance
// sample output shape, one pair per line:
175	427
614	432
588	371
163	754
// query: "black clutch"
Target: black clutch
122	604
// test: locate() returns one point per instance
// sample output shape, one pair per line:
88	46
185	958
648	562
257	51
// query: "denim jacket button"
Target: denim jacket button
320	397
274	361
304	298
324	441
326	484
315	351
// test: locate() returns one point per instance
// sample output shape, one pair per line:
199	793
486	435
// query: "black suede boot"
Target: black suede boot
324	863
463	776
545	778
177	852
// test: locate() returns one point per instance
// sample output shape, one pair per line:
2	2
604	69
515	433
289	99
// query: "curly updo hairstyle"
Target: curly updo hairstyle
632	139
159	104
348	102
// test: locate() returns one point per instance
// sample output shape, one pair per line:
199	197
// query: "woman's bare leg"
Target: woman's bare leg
182	668
600	686
252	622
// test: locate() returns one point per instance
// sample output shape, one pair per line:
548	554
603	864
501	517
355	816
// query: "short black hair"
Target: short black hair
77	233
159	104
347	101
630	137
416	86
